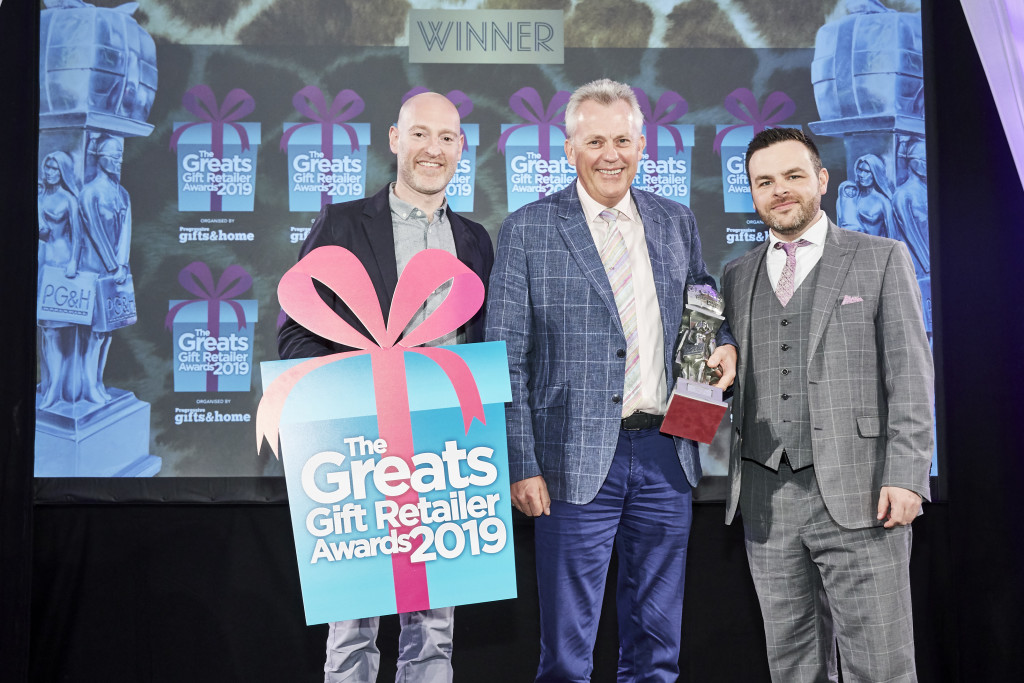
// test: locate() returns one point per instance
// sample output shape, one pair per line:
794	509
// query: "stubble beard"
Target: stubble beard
799	222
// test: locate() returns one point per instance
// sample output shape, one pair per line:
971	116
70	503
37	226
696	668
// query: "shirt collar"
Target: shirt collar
591	207
815	234
404	209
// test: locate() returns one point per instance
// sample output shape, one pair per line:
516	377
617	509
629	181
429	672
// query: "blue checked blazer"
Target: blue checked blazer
869	373
551	303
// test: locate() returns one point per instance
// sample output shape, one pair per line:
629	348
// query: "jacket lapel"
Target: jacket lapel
745	278
572	224
662	266
380	235
834	265
466	249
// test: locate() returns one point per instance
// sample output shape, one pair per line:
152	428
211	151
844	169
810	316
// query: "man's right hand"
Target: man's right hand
530	496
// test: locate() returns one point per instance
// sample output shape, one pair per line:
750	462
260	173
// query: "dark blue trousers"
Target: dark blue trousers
644	509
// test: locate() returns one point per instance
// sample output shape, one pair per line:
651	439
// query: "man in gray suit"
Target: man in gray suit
832	426
587	292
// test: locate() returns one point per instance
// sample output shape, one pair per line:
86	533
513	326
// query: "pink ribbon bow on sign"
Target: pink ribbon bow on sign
670	108
461	100
197	279
201	102
311	102
742	104
340	270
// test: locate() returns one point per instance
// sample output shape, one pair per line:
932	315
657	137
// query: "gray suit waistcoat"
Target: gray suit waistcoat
776	416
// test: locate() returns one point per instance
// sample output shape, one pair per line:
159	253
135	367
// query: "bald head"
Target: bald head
427	104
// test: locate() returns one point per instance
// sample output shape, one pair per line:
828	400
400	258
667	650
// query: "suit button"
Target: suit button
785	371
784	322
616	399
784	347
785	397
621	353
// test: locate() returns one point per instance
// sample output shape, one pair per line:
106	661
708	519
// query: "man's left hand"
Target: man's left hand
724	358
899	505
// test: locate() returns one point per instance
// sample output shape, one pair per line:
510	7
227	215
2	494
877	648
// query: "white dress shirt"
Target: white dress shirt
806	257
650	333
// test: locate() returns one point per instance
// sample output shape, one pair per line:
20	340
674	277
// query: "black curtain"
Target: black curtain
19	31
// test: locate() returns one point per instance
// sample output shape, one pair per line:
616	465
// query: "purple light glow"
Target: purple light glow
998	30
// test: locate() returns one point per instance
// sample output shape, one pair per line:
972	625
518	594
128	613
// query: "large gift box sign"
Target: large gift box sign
395	454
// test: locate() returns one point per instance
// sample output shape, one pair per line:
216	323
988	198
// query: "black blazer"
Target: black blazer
364	227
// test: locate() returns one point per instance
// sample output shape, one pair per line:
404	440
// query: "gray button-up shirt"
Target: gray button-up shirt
415	231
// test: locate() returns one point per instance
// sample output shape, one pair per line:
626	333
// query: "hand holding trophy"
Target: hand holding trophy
696	408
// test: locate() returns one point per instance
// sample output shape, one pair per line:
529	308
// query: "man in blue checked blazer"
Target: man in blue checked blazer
832	426
587	292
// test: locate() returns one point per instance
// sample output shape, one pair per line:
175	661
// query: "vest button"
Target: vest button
785	397
784	322
621	353
785	371
616	399
784	347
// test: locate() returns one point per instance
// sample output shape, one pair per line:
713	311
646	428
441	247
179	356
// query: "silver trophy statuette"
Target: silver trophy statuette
696	408
696	341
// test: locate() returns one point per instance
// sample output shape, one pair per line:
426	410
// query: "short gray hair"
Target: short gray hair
604	91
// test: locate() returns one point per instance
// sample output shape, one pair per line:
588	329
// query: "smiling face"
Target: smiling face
605	148
428	144
786	189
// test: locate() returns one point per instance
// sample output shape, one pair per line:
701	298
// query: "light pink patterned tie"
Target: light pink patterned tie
615	257
787	280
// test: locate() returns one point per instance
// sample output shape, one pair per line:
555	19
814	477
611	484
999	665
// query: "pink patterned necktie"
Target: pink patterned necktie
787	280
615	258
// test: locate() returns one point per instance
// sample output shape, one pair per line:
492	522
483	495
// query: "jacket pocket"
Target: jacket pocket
869	426
551	396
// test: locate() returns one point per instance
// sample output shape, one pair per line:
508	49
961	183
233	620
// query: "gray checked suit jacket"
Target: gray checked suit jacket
551	303
869	373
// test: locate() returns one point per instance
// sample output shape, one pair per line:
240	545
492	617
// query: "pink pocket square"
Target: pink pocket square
851	300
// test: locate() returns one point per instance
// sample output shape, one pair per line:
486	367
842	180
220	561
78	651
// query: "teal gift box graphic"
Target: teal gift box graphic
664	168
326	155
395	454
731	141
535	162
217	155
213	333
460	188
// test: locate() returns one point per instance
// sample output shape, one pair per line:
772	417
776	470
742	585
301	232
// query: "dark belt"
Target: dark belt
638	421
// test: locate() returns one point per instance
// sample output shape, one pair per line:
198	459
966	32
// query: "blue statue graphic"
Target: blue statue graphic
60	243
107	215
866	204
98	78
868	83
911	207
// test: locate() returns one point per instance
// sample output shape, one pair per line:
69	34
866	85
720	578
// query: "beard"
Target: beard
796	222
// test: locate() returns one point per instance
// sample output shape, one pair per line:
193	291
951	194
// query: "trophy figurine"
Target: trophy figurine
696	408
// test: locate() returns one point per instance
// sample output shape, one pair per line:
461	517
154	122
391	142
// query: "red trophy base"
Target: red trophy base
694	411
